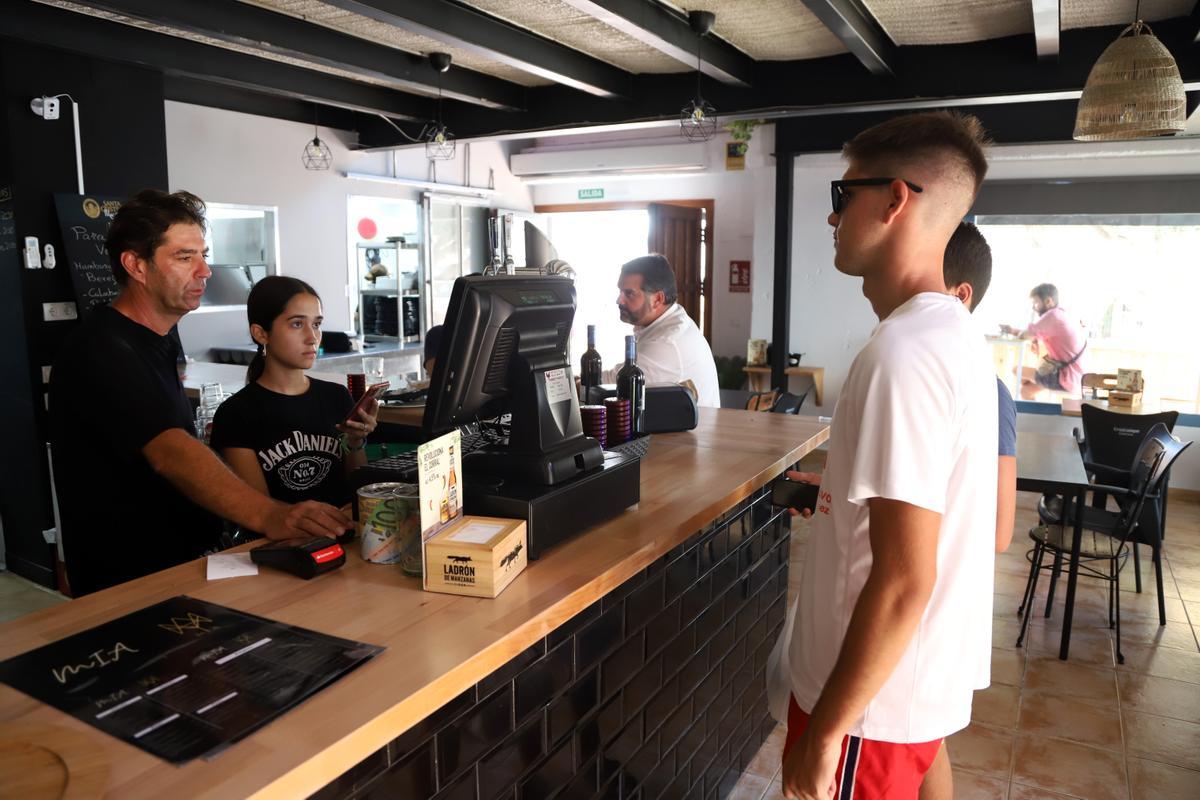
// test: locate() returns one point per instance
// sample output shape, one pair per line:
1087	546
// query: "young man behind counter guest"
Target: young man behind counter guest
670	348
874	664
137	491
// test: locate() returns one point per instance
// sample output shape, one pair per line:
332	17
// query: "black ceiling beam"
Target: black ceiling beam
1047	27
250	26
171	55
669	33
494	39
998	71
182	89
861	34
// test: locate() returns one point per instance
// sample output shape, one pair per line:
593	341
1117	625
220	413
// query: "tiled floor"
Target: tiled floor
1084	728
19	597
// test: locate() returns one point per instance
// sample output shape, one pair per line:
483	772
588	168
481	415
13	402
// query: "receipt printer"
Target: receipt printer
669	407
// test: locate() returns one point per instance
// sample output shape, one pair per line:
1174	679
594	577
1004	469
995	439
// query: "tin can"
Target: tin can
389	515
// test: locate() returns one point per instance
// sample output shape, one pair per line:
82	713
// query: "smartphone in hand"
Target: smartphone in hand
794	494
373	393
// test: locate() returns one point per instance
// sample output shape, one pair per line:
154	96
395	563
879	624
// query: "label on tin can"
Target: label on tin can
387	515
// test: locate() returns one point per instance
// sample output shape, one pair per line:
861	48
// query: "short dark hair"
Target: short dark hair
918	137
968	259
142	221
1045	291
657	275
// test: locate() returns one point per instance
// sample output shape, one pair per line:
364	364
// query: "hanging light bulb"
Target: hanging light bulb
698	119
1133	91
317	155
439	141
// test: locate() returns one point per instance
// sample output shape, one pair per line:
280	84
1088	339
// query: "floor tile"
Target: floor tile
1178	635
19	597
1088	645
1149	780
749	787
774	791
1146	694
1008	666
1169	741
1020	792
1163	662
1063	718
769	758
972	786
996	706
1089	684
984	750
1069	768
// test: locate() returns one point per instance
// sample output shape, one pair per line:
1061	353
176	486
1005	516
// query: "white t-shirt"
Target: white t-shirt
671	349
915	422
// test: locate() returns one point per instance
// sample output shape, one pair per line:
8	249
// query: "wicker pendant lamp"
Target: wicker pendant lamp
1134	91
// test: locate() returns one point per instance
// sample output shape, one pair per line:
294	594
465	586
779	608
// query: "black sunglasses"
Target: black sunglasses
837	189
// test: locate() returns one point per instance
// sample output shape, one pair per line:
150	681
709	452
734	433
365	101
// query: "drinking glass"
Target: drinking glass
373	368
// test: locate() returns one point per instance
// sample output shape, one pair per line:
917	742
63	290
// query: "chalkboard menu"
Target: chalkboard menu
183	678
8	228
84	220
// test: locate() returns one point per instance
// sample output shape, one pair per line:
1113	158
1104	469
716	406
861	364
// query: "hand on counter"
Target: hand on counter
804	477
306	519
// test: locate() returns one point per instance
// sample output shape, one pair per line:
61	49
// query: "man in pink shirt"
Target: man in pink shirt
1062	340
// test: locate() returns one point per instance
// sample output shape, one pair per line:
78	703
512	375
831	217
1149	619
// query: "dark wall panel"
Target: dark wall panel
123	131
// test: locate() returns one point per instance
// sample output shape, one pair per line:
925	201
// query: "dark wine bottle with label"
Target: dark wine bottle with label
631	386
590	368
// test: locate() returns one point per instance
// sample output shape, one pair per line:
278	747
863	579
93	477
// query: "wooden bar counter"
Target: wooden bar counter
440	646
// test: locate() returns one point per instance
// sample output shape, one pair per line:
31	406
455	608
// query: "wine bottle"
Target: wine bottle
590	368
631	386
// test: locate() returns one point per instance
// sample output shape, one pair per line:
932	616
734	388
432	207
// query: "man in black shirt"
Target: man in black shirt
137	491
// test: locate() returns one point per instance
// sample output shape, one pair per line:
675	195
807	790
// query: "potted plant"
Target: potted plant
741	131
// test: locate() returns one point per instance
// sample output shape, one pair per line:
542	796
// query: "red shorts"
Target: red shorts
870	770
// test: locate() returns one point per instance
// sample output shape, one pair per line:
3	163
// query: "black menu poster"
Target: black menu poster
84	221
183	678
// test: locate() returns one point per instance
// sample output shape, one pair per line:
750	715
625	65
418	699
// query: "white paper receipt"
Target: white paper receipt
476	532
558	388
232	565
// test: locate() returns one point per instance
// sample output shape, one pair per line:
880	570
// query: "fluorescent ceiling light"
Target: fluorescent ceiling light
442	188
610	177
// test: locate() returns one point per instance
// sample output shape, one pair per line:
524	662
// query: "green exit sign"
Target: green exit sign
591	194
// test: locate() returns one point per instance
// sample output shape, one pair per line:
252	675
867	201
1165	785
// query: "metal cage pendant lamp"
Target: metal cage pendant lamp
1134	90
698	119
316	156
439	141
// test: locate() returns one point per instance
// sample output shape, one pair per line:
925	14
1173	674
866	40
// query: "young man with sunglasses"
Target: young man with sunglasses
885	646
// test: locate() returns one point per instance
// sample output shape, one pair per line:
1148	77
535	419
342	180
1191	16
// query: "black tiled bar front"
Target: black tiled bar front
658	690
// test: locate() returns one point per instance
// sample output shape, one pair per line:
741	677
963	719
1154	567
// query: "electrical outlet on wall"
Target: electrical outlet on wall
56	312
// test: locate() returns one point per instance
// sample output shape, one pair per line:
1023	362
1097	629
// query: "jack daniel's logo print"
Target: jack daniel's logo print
301	460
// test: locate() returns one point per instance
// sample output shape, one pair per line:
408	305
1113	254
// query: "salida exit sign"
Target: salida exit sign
591	194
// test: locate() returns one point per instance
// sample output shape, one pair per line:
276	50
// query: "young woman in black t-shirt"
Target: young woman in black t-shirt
284	432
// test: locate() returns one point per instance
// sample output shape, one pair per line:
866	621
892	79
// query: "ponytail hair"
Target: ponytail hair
266	302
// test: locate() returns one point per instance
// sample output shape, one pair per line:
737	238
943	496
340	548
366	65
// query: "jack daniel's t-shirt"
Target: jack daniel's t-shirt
293	436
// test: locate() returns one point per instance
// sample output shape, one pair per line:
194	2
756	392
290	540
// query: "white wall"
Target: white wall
229	157
740	206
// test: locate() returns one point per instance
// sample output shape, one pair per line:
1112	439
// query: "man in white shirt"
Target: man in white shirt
882	658
670	348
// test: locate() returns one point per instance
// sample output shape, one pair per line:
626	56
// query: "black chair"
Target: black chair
788	403
1107	535
1107	445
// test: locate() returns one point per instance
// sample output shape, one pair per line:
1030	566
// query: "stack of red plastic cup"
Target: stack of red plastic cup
619	419
595	423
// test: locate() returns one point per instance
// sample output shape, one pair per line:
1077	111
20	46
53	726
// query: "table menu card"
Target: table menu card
183	678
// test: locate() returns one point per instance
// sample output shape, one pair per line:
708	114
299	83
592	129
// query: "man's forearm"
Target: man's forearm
882	625
195	470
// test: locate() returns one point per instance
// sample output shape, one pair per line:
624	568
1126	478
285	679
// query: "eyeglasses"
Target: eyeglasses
837	189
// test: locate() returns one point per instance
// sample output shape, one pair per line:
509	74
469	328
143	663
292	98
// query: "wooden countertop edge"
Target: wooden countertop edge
326	765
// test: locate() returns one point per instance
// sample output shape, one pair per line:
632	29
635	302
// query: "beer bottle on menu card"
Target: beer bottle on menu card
590	367
631	386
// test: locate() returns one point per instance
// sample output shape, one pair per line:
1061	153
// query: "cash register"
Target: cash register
504	355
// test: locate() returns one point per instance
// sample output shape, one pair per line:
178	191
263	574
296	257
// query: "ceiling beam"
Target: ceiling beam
1047	24
658	27
249	26
494	39
859	31
113	41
